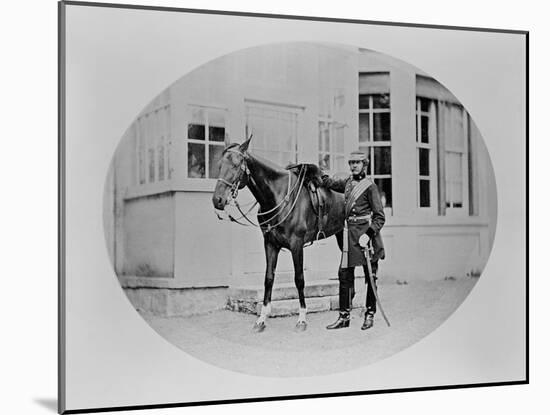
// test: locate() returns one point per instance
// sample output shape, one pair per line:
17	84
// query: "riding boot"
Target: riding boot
342	322
369	320
371	298
345	298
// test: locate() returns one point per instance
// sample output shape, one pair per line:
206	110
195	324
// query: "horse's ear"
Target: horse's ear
244	146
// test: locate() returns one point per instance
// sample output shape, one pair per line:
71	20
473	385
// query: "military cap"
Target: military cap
357	156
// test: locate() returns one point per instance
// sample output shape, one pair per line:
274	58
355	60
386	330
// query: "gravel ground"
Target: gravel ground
225	338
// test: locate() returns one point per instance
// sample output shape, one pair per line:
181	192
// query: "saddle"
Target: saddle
313	182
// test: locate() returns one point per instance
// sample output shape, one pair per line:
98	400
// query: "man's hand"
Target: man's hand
364	240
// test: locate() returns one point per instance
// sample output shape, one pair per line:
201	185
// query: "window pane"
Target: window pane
382	160
423	162
424	104
424	129
216	118
339	139
455	134
384	187
424	193
453	166
321	130
324	161
216	125
326	140
275	133
141	150
367	151
216	133
381	101
381	126
324	144
214	155
364	127
168	164
454	194
339	164
195	160
195	131
160	156
363	102
151	165
453	179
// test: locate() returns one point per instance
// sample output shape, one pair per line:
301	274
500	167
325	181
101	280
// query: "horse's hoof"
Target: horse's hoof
258	327
301	326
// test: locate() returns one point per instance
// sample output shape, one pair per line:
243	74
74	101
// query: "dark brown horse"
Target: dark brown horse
286	215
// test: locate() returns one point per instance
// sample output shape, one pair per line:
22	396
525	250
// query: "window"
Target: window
205	141
375	140
331	146
275	131
153	144
426	141
456	156
443	162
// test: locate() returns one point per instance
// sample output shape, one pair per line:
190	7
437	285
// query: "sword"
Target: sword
366	250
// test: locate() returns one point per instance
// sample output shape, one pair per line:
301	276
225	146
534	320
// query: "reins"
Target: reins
266	225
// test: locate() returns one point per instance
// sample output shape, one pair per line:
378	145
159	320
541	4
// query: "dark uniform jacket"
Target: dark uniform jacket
366	204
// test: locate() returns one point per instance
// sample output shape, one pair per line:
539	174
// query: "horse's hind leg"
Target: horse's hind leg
271	254
298	259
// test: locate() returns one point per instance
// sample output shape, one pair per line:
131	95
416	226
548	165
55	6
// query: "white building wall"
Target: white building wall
206	252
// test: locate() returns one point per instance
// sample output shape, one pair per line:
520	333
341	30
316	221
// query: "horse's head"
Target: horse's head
233	173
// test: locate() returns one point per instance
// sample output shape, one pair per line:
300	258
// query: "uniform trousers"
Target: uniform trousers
346	276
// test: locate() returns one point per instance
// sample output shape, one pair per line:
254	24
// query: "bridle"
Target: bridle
236	186
268	224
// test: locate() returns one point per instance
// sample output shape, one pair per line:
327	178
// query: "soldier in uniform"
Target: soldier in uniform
364	219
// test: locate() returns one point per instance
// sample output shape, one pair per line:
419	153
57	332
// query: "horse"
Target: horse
286	215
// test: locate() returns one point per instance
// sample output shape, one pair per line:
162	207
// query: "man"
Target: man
364	219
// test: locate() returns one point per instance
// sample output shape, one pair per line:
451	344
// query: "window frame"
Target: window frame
206	142
432	147
296	111
332	153
463	210
369	145
147	133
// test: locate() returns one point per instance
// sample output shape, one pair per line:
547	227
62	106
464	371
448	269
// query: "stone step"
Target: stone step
281	308
285	291
320	296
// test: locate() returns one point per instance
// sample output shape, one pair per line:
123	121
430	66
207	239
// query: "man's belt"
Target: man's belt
354	218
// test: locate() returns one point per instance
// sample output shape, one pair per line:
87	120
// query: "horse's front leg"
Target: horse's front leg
298	259
271	255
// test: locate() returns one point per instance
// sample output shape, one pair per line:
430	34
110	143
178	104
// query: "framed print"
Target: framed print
258	207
